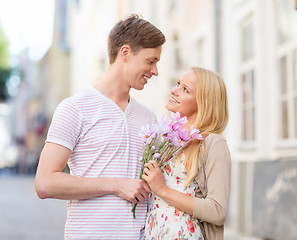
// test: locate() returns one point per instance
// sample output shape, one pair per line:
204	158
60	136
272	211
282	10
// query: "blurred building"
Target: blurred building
252	44
54	68
42	85
54	71
260	66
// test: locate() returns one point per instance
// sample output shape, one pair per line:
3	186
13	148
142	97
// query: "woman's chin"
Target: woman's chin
168	107
171	109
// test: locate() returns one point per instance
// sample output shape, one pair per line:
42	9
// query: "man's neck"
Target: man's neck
112	86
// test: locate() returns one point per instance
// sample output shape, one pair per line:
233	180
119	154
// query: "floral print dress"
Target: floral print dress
165	221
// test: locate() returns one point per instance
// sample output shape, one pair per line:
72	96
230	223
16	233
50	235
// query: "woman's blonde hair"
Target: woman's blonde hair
212	116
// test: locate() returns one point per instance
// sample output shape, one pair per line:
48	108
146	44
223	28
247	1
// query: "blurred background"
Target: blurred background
52	49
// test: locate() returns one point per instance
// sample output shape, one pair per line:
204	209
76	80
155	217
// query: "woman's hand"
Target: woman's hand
153	175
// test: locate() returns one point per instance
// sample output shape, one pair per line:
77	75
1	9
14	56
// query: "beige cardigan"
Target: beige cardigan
211	200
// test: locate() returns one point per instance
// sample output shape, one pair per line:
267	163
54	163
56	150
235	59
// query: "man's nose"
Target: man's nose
155	71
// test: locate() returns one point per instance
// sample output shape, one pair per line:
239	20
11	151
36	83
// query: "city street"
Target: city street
23	216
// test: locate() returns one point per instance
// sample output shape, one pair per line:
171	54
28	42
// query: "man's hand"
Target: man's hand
132	190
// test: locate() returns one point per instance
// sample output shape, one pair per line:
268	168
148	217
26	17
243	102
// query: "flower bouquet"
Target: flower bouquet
162	141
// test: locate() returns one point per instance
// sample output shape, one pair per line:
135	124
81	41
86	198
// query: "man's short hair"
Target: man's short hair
135	32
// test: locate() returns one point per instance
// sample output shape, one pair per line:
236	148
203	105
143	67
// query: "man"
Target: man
98	131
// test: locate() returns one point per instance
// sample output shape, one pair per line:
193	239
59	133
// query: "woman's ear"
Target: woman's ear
124	52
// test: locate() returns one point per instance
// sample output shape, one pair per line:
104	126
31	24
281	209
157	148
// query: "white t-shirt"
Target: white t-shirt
105	142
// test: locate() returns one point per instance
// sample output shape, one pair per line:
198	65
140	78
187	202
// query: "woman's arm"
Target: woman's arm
214	207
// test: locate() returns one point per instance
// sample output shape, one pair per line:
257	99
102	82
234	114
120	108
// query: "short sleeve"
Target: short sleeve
66	125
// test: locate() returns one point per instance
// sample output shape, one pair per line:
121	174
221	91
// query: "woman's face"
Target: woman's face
183	97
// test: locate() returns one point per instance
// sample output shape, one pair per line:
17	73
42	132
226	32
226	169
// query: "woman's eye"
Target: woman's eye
186	90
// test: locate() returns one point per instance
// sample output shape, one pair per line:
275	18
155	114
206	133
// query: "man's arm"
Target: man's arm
52	182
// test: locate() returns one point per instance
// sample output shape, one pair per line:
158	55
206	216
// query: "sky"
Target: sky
28	24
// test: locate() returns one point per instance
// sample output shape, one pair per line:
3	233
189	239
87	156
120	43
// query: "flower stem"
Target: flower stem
133	210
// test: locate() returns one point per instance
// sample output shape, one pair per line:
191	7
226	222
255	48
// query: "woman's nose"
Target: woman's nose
174	90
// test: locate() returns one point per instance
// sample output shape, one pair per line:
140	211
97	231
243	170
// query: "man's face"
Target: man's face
141	66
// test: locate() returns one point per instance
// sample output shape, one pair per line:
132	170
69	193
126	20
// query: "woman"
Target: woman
190	199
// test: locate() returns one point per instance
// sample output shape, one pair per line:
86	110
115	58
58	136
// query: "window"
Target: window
178	64
172	4
247	42
295	90
283	21
199	54
248	106
247	76
77	2
284	97
286	18
288	95
63	28
176	61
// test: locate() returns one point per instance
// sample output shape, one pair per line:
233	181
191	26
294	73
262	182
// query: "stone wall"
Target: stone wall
274	200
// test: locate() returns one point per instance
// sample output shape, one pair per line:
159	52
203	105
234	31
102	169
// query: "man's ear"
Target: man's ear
124	52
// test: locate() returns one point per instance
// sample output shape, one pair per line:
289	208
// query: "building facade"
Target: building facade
260	65
253	45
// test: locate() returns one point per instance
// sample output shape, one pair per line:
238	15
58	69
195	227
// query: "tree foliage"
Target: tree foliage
4	66
4	76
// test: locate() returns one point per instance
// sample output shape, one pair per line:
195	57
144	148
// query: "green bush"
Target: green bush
4	76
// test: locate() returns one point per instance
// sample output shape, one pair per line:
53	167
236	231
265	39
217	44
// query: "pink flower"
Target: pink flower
164	129
176	125
195	133
148	132
174	138
162	141
164	121
177	121
176	118
145	131
183	135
